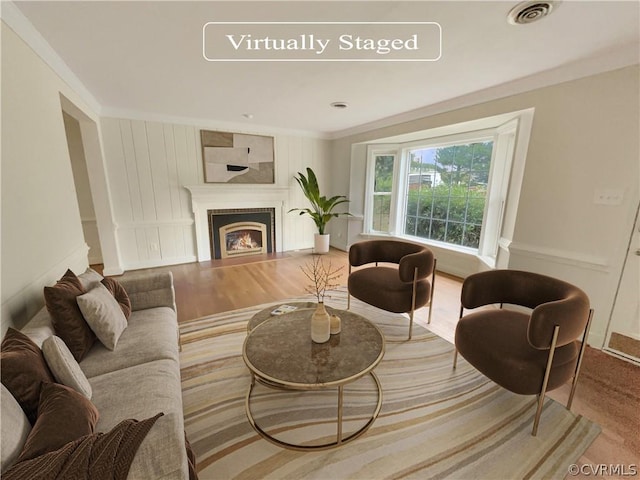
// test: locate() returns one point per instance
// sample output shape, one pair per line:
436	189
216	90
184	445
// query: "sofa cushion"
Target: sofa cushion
67	319
139	392
14	429
23	370
64	415
103	314
120	294
149	290
151	334
64	367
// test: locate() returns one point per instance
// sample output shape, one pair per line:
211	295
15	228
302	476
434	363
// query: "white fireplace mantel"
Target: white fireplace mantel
210	197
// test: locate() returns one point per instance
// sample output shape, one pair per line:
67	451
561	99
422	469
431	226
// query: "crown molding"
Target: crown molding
16	21
209	123
609	61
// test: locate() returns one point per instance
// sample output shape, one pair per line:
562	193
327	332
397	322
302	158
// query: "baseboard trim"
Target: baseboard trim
157	263
624	345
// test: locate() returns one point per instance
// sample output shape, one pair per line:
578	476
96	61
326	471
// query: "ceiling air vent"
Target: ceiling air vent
529	12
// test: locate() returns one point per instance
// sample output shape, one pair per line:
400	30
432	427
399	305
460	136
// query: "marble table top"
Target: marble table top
279	349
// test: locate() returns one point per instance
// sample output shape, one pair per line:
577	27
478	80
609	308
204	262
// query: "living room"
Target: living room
577	142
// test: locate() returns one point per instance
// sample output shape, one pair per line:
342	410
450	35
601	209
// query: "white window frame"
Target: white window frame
502	157
449	140
374	151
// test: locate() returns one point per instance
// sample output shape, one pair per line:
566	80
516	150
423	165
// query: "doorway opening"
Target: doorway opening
83	188
92	191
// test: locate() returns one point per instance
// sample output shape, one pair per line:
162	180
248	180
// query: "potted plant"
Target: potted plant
321	210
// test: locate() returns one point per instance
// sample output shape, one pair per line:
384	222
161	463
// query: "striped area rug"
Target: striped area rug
435	422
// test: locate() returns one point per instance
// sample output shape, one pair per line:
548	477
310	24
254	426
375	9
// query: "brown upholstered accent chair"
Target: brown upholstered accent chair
398	289
528	351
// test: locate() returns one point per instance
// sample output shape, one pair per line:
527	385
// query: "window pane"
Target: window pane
472	236
446	191
381	211
455	232
410	225
413	201
475	210
424	228
383	180
438	229
440	207
457	208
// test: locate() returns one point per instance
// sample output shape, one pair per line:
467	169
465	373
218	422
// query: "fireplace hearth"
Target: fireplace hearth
239	232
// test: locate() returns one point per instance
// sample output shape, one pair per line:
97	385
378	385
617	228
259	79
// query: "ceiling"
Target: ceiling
144	58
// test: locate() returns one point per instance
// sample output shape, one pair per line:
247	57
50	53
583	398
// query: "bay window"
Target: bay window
449	191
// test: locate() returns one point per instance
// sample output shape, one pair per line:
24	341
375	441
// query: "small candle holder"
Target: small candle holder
336	324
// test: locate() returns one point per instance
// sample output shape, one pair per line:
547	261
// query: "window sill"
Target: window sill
470	253
428	243
488	261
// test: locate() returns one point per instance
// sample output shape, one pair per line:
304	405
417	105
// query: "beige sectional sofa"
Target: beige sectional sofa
139	379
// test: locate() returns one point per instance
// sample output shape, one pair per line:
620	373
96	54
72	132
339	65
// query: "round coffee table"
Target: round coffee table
280	354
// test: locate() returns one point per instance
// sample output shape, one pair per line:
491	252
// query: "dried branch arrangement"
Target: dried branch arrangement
323	277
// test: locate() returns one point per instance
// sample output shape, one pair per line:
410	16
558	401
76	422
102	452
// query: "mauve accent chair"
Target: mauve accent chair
531	350
399	288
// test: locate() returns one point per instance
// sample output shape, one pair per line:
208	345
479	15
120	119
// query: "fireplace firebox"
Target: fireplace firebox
239	232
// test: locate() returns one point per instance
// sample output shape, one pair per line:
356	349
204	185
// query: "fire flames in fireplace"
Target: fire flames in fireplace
243	240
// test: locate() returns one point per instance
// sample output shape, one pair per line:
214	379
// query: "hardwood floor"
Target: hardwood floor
608	392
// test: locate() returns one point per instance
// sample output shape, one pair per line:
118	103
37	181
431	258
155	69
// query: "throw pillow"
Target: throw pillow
64	367
23	370
64	415
103	314
14	429
66	317
89	278
120	294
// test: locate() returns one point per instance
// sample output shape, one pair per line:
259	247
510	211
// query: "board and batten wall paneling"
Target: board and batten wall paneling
298	153
150	163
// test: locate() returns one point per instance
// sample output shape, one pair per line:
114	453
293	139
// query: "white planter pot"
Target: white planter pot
321	243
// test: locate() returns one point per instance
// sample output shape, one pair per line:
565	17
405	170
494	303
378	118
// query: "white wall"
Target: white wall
41	227
584	138
150	163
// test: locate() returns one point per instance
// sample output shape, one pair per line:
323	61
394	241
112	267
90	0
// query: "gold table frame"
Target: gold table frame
257	375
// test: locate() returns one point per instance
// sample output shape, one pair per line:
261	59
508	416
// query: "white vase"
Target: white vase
336	324
321	243
320	324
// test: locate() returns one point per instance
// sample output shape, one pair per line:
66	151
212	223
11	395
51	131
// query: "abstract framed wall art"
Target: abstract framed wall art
237	157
